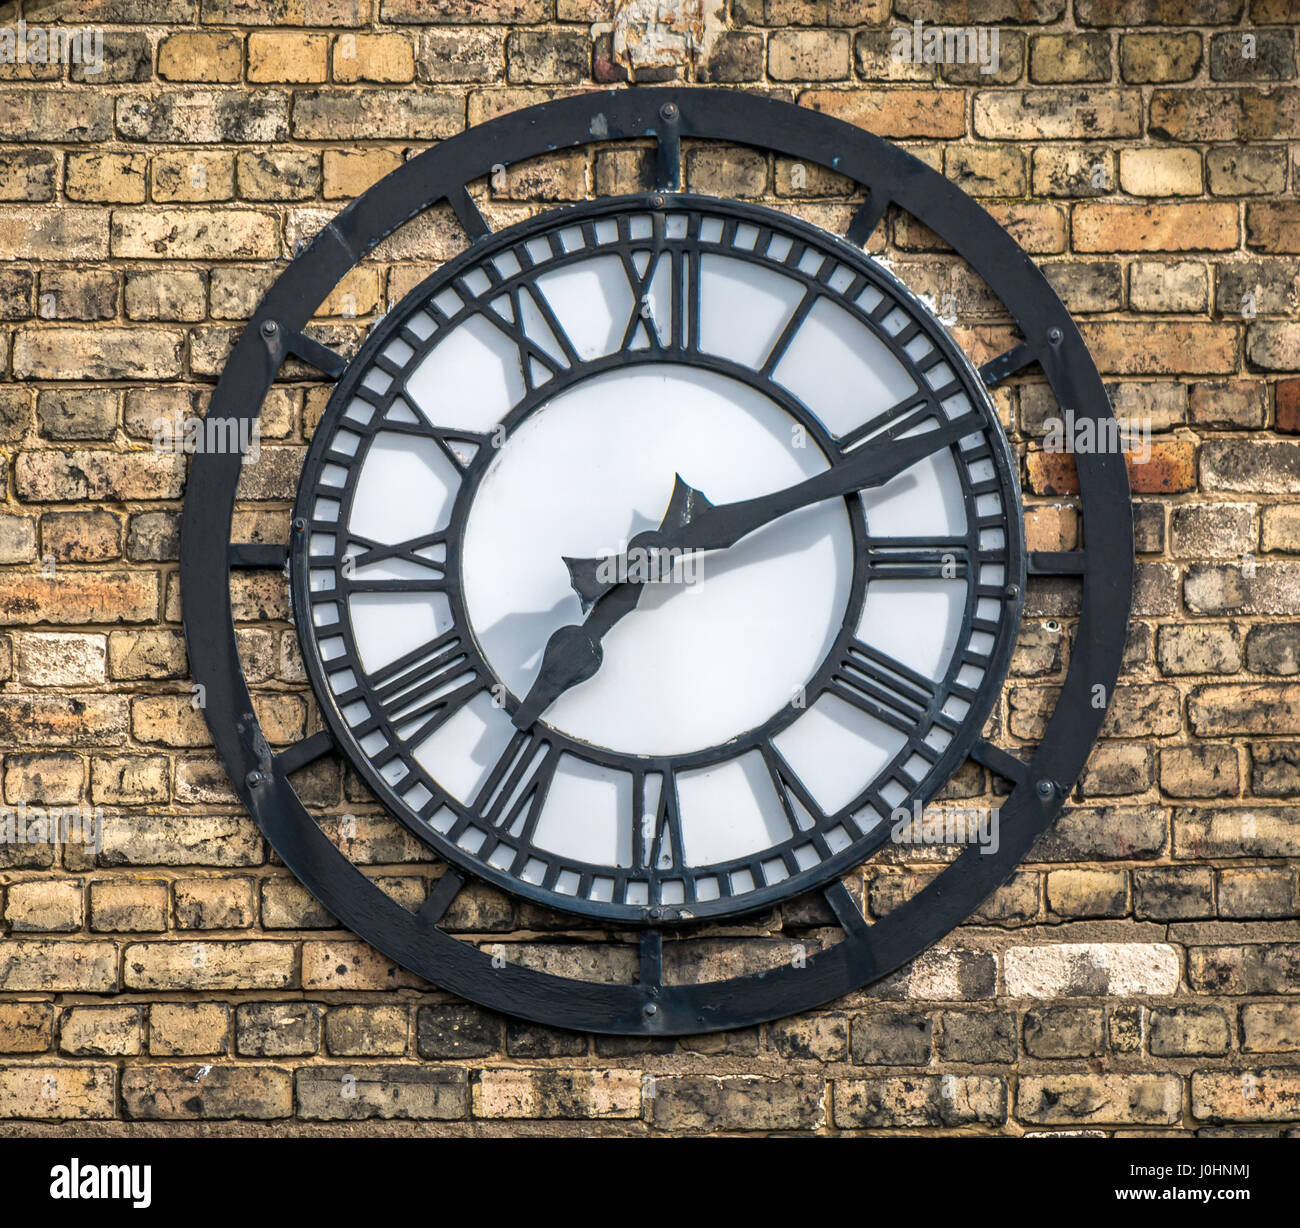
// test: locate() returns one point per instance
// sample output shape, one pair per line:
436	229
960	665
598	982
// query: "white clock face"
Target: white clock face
826	599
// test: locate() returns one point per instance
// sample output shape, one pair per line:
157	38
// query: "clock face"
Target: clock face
648	559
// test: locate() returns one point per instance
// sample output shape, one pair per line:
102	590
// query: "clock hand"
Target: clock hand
573	652
693	523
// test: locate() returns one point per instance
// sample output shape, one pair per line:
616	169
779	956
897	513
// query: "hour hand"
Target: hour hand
592	578
572	655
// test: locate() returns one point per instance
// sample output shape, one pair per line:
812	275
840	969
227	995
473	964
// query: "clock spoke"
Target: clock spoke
282	341
668	151
1057	562
258	555
650	951
440	898
467	214
1007	364
306	750
1005	764
867	217
846	910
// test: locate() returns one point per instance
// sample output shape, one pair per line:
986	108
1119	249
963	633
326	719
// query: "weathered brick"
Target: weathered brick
354	1030
192	1093
1091	969
184	1029
100	1031
737	1102
1110	1099
895	112
179	840
25	1027
1246	1095
920	1100
376	114
58	966
212	965
123	905
208	55
205	116
389	1093
59	1093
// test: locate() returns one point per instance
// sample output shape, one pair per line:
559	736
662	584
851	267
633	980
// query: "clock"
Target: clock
655	560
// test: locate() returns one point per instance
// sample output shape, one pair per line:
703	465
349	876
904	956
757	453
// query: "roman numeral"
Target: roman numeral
409	551
882	687
515	790
537	363
801	810
657	832
420	691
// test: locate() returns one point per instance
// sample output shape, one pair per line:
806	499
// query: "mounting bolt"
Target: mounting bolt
1054	335
655	913
253	779
656	201
1046	789
1012	590
299	525
650	1008
269	328
668	112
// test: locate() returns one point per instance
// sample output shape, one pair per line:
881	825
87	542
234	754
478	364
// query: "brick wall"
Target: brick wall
1141	970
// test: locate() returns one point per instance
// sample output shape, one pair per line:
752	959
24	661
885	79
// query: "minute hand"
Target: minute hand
706	527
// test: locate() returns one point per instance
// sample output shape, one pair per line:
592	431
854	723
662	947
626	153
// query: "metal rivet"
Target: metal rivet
300	525
655	914
1046	788
668	111
253	779
1013	590
651	1008
656	201
269	328
1054	335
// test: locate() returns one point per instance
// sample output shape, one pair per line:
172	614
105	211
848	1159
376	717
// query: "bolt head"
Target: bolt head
1054	335
1046	788
299	525
668	111
253	779
269	328
651	1008
656	201
1013	590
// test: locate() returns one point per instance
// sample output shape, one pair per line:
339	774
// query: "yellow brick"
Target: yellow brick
373	57
1160	172
280	55
349	172
216	55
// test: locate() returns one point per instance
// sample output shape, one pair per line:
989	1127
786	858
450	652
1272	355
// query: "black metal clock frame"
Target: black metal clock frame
887	690
1037	788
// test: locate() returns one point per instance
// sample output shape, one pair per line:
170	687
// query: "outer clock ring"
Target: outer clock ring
651	1006
653	911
